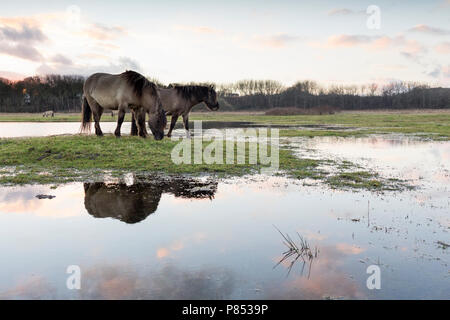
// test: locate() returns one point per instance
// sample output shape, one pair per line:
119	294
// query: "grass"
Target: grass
295	251
61	159
77	158
356	179
431	125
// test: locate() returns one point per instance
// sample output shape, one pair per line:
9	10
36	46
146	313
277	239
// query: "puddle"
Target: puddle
218	240
158	238
424	164
40	129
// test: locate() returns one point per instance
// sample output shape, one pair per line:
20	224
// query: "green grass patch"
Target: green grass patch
61	159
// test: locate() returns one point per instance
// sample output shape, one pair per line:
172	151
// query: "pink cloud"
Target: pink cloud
409	48
443	48
198	29
279	40
349	40
423	28
344	12
101	32
33	20
446	71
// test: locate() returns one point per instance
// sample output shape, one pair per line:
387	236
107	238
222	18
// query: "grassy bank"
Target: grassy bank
434	125
61	159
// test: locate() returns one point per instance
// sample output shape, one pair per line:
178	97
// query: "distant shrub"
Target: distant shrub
292	111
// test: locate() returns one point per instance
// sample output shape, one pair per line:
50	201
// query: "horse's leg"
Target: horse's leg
142	132
97	116
134	129
173	121
120	117
97	111
186	125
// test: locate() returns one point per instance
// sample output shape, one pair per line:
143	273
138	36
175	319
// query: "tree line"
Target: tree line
62	93
267	94
41	93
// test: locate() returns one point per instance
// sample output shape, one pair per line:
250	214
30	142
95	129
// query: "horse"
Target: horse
128	90
178	100
48	113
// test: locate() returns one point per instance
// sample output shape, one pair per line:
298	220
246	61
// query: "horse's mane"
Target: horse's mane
138	82
191	91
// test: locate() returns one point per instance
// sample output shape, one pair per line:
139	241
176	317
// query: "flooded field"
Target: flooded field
205	238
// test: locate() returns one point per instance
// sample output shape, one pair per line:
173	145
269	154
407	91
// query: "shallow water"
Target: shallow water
203	239
42	129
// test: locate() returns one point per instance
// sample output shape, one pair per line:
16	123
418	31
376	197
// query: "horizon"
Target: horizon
227	42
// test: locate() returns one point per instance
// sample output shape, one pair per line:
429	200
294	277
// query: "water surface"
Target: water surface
208	239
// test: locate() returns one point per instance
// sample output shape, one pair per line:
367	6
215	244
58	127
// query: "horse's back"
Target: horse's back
97	79
106	89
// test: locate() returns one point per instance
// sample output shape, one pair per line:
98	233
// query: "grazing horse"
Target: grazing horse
49	113
120	92
178	101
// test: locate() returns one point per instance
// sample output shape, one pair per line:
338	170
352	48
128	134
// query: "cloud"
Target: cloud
344	12
36	20
60	59
443	48
21	51
408	48
279	40
440	71
422	28
435	73
24	33
122	64
101	32
349	40
10	75
18	41
197	29
446	71
412	49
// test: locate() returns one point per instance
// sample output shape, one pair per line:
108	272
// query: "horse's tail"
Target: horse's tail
86	116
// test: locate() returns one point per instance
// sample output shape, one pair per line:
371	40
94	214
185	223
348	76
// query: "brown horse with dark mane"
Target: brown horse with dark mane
178	100
128	90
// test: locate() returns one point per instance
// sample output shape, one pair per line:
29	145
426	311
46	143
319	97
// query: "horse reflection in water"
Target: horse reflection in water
134	203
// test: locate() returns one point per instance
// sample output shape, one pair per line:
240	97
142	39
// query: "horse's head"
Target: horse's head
157	122
211	99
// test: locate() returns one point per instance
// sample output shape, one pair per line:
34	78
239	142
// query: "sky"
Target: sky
331	42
